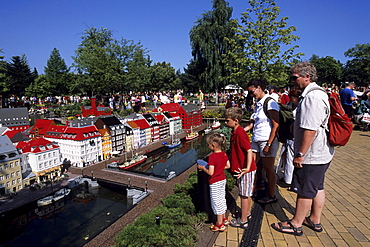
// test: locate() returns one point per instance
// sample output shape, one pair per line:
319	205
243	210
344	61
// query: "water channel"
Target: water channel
76	219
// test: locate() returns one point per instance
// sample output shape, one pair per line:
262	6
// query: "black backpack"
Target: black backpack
286	120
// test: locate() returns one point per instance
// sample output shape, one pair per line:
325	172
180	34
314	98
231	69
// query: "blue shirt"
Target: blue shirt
345	96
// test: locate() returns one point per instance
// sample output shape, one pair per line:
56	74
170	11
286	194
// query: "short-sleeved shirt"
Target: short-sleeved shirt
345	96
218	160
262	124
239	145
313	114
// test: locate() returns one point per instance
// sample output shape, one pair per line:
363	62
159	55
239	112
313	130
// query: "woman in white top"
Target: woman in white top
264	141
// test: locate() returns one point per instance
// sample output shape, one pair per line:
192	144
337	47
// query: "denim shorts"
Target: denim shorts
257	147
309	179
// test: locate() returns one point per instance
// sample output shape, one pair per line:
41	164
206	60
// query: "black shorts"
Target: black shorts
348	109
309	179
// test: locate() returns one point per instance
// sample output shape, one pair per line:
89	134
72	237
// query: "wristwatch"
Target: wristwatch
299	154
268	144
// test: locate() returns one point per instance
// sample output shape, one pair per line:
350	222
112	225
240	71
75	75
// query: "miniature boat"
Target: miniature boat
216	124
133	162
207	130
114	164
174	142
191	135
57	196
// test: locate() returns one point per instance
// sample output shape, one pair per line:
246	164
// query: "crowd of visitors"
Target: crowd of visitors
305	156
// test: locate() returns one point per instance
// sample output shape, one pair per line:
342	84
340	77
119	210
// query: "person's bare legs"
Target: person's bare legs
317	207
303	205
246	207
268	165
220	219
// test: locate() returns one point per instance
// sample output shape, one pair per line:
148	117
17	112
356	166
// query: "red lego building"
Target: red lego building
95	110
190	114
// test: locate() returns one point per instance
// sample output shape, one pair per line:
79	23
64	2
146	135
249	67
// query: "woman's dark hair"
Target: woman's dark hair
257	82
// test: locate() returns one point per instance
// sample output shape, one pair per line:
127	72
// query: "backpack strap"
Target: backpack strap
265	106
328	106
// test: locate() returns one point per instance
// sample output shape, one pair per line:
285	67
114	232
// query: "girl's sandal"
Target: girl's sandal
218	228
226	221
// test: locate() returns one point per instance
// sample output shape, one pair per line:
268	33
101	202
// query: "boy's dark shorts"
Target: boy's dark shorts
309	179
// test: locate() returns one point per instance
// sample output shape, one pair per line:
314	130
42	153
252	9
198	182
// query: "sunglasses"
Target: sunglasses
293	78
252	91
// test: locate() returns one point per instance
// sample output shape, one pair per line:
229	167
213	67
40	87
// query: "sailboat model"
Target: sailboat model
135	160
175	141
208	129
216	124
192	134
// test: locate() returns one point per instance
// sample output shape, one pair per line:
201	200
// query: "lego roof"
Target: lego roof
6	145
142	123
111	120
36	146
42	125
12	116
72	133
132	124
171	107
190	108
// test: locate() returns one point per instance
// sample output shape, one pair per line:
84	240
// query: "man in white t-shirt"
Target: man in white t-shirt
312	150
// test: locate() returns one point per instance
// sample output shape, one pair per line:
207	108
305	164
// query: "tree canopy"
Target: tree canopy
328	69
19	75
107	63
262	45
209	45
358	68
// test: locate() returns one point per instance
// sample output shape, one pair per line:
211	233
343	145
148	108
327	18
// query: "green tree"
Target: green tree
56	73
209	45
328	69
261	47
162	76
19	75
358	68
137	73
188	79
103	61
3	76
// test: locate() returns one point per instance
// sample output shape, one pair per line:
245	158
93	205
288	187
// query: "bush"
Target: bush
180	200
175	223
219	113
161	227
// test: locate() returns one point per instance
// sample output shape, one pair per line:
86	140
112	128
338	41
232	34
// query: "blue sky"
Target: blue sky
35	27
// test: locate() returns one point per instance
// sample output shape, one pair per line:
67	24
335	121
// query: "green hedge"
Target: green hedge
174	223
178	221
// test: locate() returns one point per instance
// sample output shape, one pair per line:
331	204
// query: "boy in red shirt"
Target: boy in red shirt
242	164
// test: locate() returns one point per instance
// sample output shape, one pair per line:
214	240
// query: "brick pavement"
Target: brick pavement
346	215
